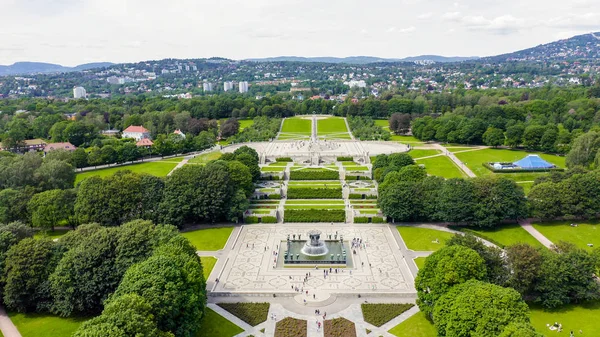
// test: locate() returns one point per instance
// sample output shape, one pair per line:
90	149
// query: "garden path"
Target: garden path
535	233
6	325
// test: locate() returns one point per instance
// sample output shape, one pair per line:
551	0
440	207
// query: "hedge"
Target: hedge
270	177
380	313
251	219
364	219
377	219
274	196
269	219
345	158
284	159
355	196
314	175
314	193
251	313
315	215
491	168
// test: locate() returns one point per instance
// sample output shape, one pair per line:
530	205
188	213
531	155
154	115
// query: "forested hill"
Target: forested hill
21	68
580	47
364	59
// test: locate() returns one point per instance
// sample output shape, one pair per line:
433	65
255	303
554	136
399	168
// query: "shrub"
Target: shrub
315	215
251	219
269	219
371	196
346	158
284	159
380	313
339	327
361	219
274	196
251	313
314	175
355	196
314	193
377	219
290	327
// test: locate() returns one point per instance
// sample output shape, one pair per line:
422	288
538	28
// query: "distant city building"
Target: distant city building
136	132
243	87
228	86
353	83
79	92
207	86
110	132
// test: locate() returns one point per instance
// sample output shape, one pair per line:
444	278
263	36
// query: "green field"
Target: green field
475	159
416	326
206	157
505	235
406	139
296	128
422	239
441	166
315	183
156	168
272	169
383	123
208	263
582	317
209	239
215	325
423	153
584	233
244	123
356	168
420	262
304	206
314	202
332	128
35	325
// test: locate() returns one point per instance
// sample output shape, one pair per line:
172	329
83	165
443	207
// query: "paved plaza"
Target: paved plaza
250	268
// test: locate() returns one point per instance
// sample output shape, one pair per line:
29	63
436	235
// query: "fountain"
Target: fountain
314	251
316	246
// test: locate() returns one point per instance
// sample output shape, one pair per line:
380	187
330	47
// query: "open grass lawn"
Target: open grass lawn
206	157
505	235
314	201
423	153
215	325
406	139
475	159
454	149
156	168
272	169
331	125
244	123
582	317
384	123
356	168
420	262
315	207
441	166
416	326
208	263
422	239
209	239
584	233
297	125
526	186
315	184
36	325
57	233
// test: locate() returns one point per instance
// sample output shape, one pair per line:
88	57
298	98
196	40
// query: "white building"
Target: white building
359	84
243	87
207	86
227	86
136	132
79	92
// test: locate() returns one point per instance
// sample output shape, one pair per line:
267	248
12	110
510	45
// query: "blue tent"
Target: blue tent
532	162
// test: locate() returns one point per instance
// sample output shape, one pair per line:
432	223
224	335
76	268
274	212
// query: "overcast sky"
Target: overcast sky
72	32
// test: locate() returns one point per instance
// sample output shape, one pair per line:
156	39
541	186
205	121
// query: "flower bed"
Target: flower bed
291	327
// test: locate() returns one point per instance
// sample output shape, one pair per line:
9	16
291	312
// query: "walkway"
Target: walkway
6	325
536	234
457	161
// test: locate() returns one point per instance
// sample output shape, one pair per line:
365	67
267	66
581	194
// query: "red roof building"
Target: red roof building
136	132
144	142
59	146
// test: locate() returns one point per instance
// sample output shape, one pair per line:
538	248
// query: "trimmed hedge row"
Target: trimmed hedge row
346	158
251	219
491	168
364	219
314	193
274	196
353	177
269	219
359	196
315	215
284	159
314	175
270	177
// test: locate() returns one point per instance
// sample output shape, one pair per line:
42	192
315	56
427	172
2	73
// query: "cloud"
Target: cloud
587	21
505	24
425	16
401	30
451	16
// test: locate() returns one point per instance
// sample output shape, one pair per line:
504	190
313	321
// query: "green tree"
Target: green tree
524	263
52	207
55	174
584	150
549	139
514	135
532	138
80	158
13	205
520	330
493	137
497	272
400	200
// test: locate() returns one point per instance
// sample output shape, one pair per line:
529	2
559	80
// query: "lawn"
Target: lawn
584	233
208	263
57	233
582	317
405	139
441	166
380	313
314	202
272	169
383	123
475	159
416	326
209	239
420	262
206	157
423	153
422	239
215	325
295	128
251	313
356	168
315	207
34	325
505	235
156	168
244	123
333	127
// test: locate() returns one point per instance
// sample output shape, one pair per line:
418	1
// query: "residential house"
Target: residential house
136	132
144	142
59	146
178	132
28	145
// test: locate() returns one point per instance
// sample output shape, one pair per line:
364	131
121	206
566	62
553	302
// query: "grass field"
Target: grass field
505	235
205	158
35	325
423	153
384	123
315	183
156	168
314	202
406	139
314	206
422	239
441	166
208	263
296	128
420	262
416	326
356	168
215	325
582	317
475	159
209	239
244	123
584	233
332	128
272	169
51	234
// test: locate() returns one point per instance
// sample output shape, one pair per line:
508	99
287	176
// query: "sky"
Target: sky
72	32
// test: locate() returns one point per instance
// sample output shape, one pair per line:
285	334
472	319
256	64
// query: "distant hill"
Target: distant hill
580	47
26	68
362	59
